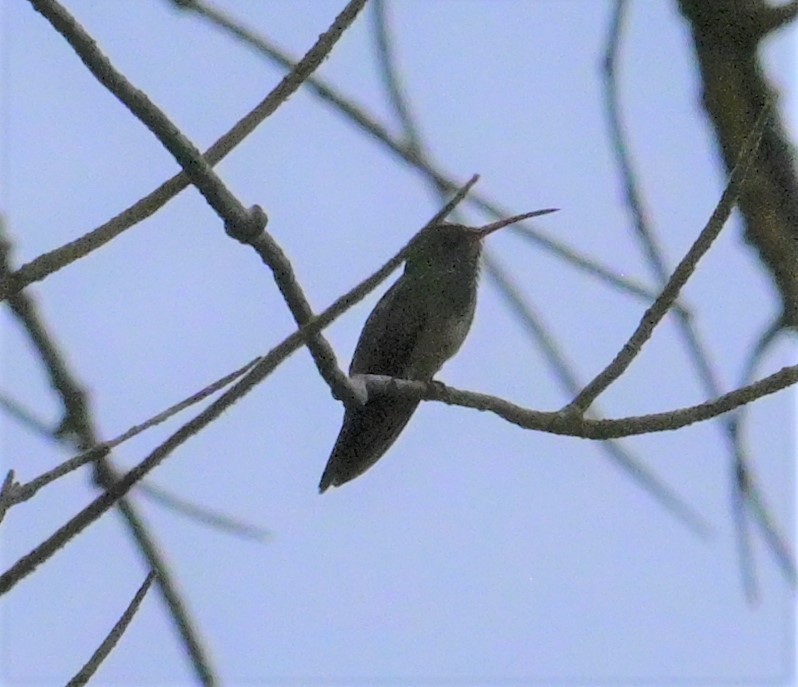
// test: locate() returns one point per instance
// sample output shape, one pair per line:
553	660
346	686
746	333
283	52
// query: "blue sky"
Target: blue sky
474	550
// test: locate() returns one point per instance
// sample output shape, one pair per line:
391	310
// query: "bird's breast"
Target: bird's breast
445	329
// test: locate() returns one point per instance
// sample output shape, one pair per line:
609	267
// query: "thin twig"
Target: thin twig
50	262
616	452
520	305
28	563
654	255
25	417
247	226
204	515
390	77
264	364
743	478
684	270
407	153
575	425
7	493
739	465
643	230
77	429
776	541
110	641
102	449
553	422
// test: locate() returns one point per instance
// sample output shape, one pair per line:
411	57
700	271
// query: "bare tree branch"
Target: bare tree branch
776	17
12	495
46	264
613	449
77	428
246	226
263	366
634	199
107	645
575	425
521	305
726	39
684	270
28	563
442	180
386	63
204	515
7	491
642	224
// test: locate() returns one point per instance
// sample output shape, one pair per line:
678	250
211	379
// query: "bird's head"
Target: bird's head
446	247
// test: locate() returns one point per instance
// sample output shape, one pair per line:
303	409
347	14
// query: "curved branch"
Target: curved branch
684	270
246	226
574	424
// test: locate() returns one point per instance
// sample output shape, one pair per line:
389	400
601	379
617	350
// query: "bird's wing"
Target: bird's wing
385	347
390	334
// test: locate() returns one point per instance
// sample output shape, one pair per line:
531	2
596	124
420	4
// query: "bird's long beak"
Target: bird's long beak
482	232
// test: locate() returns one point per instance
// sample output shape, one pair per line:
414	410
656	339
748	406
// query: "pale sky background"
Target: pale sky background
474	551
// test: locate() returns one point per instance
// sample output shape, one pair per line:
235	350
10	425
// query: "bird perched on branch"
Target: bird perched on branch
420	322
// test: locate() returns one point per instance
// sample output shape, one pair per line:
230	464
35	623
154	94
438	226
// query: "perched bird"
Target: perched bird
420	322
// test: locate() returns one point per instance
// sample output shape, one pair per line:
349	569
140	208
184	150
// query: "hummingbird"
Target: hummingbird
420	322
